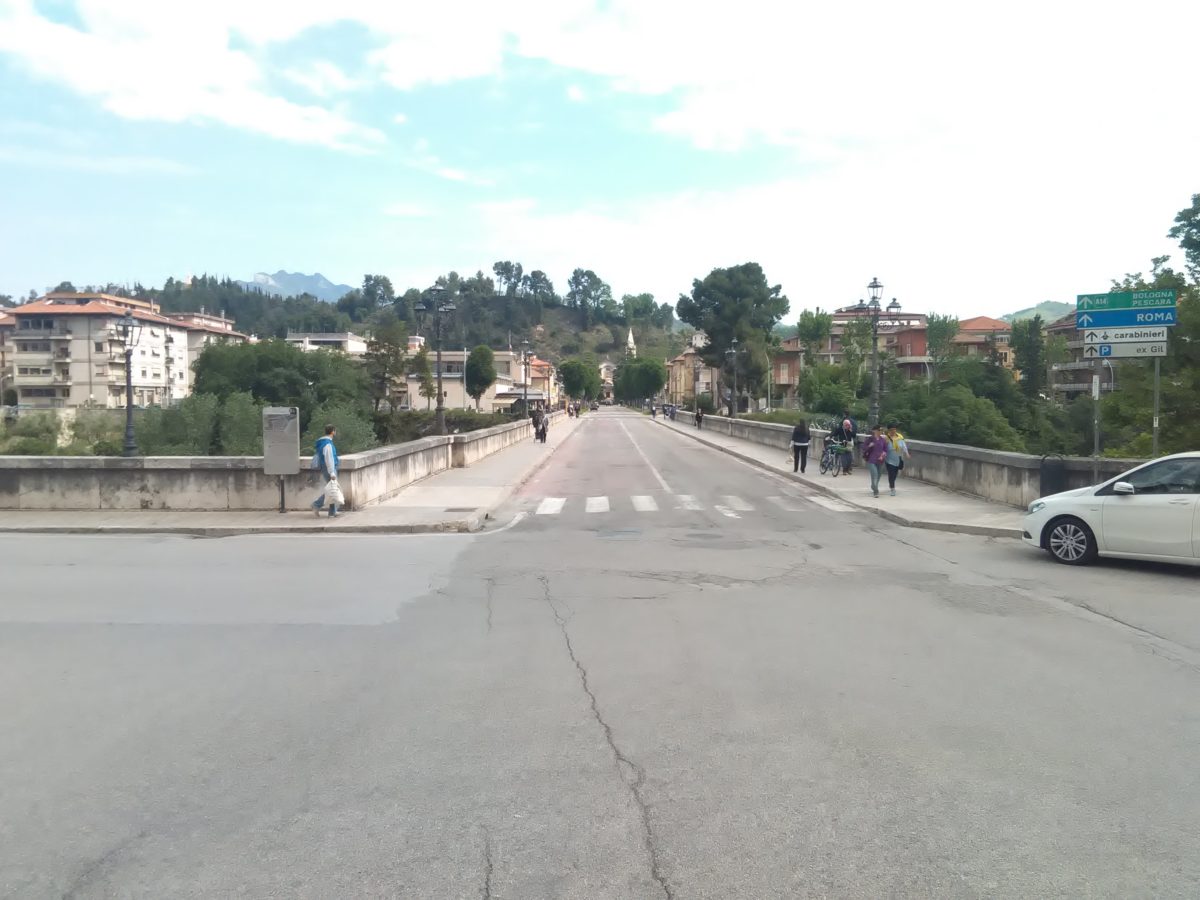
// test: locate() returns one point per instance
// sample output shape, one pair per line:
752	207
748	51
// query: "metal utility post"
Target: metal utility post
1157	376
525	375
132	331
1095	422
733	406
437	307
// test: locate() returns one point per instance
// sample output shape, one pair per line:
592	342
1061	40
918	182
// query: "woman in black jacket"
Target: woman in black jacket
800	441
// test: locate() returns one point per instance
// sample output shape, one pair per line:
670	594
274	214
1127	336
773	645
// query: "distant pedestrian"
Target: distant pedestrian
326	460
699	418
875	452
897	453
800	442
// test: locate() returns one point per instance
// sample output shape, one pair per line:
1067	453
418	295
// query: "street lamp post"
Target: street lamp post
696	385
131	331
732	352
873	310
437	307
525	375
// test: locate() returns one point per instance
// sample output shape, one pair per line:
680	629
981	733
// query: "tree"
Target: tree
1187	232
574	378
1029	354
639	379
939	335
856	345
6	300
385	357
733	303
239	426
813	330
588	293
65	287
638	307
421	368
480	372
509	277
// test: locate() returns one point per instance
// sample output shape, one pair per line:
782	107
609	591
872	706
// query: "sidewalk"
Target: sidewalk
454	501
916	504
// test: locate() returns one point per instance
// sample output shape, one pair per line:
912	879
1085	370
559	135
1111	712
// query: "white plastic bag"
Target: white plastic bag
333	493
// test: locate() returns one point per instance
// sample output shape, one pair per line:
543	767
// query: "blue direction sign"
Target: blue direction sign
1125	318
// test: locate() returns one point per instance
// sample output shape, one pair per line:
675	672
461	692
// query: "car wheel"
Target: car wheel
1070	542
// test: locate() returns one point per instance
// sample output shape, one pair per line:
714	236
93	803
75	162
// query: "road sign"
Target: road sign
1125	300
1163	317
1125	351
1124	335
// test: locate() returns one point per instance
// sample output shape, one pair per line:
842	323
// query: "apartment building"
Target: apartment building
688	377
204	329
510	384
1074	377
69	350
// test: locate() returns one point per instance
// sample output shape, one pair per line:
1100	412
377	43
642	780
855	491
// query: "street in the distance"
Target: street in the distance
683	677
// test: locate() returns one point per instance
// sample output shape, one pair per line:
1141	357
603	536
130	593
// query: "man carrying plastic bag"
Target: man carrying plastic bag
326	459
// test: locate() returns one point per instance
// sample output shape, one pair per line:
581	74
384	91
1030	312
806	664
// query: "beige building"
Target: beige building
510	386
69	351
687	376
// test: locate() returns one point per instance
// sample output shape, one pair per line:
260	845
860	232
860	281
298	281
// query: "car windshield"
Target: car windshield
1172	476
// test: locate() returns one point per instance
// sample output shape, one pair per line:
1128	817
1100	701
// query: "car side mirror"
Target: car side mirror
1123	487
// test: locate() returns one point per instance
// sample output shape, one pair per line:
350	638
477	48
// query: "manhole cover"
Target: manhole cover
460	509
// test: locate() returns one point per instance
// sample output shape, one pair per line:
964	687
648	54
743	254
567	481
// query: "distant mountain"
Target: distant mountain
1048	310
292	284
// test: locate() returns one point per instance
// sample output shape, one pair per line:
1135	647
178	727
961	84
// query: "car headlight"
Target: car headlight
1036	506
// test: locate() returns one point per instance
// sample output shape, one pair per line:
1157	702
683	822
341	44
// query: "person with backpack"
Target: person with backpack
897	452
800	441
326	460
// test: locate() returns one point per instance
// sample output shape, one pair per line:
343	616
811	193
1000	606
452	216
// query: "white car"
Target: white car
1151	512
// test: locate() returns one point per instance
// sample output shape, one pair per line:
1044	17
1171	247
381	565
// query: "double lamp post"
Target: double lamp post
874	311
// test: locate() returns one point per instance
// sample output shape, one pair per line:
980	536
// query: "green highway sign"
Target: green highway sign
1126	300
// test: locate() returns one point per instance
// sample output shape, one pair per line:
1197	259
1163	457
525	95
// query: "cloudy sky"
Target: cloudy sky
976	157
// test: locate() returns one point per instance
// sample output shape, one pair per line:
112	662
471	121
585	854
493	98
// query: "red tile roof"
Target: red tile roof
88	308
983	323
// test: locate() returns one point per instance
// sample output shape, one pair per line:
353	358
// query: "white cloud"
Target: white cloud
575	94
167	62
322	79
400	118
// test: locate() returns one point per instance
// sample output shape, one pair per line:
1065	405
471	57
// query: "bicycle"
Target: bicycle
831	457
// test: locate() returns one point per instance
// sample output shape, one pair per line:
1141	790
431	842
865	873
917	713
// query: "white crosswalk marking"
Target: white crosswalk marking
687	501
737	503
644	503
597	504
725	511
551	506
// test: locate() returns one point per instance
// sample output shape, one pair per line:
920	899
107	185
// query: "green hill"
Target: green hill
1049	310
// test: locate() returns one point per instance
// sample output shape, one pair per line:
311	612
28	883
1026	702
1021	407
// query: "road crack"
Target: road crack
633	776
487	865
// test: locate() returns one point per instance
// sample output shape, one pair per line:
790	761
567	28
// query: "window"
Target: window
33	347
99	346
101	371
39	392
143	373
1172	476
37	323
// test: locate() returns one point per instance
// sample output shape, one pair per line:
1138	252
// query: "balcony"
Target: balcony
55	380
912	360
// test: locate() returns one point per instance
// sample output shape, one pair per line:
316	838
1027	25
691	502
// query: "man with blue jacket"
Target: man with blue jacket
326	459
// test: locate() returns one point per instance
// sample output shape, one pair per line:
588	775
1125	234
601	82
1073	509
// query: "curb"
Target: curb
896	518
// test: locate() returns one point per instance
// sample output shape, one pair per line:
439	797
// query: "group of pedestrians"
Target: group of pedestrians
884	450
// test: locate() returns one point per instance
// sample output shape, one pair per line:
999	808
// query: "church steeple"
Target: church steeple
630	346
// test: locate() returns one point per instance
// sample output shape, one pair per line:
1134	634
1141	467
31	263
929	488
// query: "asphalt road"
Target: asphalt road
662	674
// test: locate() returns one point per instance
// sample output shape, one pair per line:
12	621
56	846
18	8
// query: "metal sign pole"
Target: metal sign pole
1095	422
1157	375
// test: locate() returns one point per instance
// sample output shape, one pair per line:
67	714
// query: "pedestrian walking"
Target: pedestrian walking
897	453
326	460
699	418
800	442
875	452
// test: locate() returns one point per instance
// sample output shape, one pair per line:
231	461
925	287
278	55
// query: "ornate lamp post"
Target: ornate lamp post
525	375
132	332
873	310
437	307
